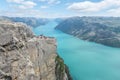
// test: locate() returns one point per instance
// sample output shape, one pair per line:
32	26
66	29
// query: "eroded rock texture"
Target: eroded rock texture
23	56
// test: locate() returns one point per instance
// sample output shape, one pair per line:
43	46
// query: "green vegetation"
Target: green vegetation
60	64
61	69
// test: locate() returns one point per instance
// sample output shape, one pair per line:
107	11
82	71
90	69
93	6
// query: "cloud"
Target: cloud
88	6
15	1
44	7
27	4
23	13
30	13
114	12
51	1
22	4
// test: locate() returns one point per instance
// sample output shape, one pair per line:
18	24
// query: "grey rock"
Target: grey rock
24	56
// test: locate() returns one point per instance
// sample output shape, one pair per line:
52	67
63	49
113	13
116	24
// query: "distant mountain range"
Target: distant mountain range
59	20
103	30
30	21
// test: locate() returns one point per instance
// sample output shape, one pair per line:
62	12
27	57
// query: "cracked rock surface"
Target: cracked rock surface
23	56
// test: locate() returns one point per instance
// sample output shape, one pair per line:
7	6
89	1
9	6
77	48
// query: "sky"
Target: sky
59	8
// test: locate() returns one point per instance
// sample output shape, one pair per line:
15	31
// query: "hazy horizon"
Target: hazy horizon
59	8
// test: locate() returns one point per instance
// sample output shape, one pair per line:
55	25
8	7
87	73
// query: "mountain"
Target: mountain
24	56
30	21
59	20
103	30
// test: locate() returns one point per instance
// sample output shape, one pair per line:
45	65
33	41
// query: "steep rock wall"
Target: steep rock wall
23	56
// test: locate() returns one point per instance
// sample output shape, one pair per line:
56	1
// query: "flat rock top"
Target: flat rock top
24	56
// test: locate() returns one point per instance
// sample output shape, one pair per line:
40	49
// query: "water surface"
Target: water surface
86	60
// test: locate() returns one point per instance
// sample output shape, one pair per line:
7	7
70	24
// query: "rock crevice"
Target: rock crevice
23	56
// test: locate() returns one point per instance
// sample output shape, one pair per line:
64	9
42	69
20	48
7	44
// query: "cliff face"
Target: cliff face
23	56
103	30
61	70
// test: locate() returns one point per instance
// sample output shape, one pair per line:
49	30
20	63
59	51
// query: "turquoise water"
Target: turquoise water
86	60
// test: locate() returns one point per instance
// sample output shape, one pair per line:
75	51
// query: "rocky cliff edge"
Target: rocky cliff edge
24	56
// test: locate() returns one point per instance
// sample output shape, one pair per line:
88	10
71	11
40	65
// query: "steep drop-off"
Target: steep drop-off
24	56
104	30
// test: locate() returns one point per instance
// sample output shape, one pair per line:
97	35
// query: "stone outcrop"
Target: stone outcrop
23	56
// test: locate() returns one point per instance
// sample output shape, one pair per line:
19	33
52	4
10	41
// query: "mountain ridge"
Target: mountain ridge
103	30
